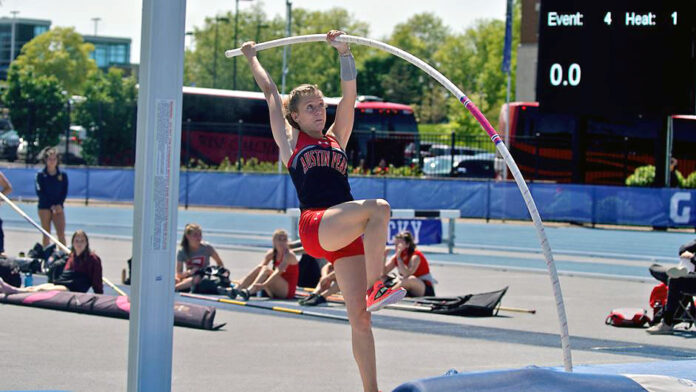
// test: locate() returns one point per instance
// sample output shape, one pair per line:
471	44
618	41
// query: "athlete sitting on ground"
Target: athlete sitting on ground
413	268
82	271
332	223
326	287
194	255
277	274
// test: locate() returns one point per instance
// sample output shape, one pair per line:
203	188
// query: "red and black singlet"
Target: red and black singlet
319	171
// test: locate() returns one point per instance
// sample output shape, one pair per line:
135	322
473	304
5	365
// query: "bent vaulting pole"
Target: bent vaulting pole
54	239
500	146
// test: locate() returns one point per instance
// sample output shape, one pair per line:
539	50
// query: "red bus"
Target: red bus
219	124
569	148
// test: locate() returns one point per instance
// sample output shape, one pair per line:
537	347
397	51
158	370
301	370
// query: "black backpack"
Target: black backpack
55	264
9	272
309	271
214	280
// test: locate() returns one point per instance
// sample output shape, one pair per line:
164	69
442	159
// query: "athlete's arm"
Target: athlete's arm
5	184
180	270
345	112
389	265
413	265
279	126
217	259
267	258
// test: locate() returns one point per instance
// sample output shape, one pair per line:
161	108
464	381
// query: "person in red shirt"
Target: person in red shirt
413	268
277	275
82	271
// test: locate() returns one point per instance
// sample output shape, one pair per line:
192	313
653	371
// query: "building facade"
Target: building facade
14	33
109	51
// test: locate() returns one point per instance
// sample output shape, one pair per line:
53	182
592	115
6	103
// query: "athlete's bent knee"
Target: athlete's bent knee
381	207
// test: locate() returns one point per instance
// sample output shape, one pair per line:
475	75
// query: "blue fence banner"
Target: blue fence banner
589	204
425	231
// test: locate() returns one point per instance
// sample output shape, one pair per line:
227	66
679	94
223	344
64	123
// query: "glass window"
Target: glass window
38	30
99	55
117	54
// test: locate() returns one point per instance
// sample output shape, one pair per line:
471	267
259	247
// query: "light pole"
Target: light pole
12	41
67	125
215	55
236	31
259	26
286	49
96	22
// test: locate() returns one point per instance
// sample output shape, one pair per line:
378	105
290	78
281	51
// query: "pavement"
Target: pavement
261	350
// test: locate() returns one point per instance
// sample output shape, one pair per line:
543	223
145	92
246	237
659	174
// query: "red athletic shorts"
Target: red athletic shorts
309	235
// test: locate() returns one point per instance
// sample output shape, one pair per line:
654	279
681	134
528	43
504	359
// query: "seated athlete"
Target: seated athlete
82	271
277	274
412	266
326	287
193	257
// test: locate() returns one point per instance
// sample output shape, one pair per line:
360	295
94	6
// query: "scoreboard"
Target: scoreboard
617	57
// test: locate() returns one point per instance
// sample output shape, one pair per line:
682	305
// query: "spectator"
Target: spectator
6	190
674	174
382	168
52	189
680	280
326	287
82	271
413	268
193	256
277	274
361	168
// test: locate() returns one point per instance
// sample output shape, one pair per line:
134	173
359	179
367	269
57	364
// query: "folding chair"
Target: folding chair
686	310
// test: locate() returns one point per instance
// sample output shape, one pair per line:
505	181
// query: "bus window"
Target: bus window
403	121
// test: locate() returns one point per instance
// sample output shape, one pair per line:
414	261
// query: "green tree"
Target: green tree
313	63
109	114
472	61
37	105
420	36
59	52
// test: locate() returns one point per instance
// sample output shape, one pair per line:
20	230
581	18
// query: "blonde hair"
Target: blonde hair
43	155
276	234
188	229
292	101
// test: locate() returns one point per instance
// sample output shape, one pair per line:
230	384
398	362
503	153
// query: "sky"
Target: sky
121	18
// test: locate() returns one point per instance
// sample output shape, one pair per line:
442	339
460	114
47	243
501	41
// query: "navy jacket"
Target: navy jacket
51	190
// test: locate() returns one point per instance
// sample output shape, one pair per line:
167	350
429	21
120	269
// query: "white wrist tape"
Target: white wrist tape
348	71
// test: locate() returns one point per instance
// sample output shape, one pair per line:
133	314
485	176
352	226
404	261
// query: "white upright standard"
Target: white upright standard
156	195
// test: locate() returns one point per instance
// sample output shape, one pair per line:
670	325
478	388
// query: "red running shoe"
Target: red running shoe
379	296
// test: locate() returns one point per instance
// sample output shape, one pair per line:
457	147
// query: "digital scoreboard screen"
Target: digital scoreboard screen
617	57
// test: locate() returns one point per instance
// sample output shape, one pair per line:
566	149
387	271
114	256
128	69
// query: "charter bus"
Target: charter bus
219	124
552	147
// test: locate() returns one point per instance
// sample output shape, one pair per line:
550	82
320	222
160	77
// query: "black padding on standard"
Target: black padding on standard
427	213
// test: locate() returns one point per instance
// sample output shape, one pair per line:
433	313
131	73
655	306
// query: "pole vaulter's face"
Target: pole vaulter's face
311	115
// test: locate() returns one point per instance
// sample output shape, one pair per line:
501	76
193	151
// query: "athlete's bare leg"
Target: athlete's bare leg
59	225
45	217
250	278
350	273
414	286
264	273
343	223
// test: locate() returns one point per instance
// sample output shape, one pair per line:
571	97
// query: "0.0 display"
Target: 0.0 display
623	57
